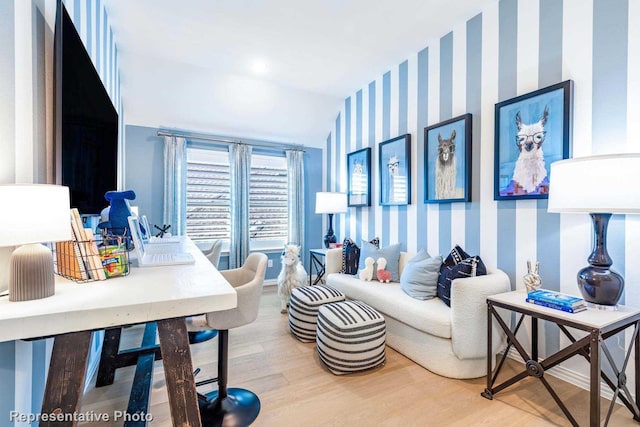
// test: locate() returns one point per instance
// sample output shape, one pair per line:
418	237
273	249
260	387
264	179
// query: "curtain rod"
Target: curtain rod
204	137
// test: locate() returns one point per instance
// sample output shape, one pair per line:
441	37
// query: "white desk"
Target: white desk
163	294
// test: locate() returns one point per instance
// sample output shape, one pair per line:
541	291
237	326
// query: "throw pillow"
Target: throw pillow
350	257
456	267
390	253
419	277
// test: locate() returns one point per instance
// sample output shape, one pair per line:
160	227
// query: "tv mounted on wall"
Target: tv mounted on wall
86	122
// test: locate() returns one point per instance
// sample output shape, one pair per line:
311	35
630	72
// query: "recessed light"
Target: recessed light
259	67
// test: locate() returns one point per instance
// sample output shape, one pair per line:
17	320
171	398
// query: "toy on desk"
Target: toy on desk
367	273
118	212
163	230
292	275
383	275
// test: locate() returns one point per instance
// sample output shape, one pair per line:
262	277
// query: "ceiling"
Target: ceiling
188	64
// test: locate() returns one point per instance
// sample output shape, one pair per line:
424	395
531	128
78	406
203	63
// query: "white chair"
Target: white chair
233	406
213	254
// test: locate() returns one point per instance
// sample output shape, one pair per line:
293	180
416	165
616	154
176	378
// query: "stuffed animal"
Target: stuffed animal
383	275
119	212
292	275
367	273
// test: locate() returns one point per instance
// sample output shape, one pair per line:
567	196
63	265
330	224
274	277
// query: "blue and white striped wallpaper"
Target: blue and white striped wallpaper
26	101
511	48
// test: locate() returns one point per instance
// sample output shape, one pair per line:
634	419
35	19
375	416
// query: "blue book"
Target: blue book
567	309
553	297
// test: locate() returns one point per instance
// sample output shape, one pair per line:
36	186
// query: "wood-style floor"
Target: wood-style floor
296	390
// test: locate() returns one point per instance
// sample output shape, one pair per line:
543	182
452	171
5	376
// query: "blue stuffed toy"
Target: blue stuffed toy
119	212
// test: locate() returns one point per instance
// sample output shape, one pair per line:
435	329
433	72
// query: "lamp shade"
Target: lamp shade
34	214
596	184
333	203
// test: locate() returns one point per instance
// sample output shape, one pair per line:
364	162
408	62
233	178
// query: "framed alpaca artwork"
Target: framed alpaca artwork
531	132
447	152
394	158
359	178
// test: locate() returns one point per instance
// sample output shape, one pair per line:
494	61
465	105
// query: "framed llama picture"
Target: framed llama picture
447	152
359	178
394	158
531	132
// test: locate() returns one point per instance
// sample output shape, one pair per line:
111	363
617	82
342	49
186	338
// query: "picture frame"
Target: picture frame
359	178
531	132
447	151
394	171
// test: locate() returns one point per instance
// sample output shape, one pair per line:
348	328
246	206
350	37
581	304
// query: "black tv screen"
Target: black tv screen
86	122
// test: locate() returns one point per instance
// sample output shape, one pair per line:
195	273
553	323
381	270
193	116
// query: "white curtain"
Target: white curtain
240	175
295	172
175	184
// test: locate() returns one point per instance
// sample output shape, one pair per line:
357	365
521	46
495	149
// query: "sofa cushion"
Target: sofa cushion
350	257
419	278
431	316
390	253
458	265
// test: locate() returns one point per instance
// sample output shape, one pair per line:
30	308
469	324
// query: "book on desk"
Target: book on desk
557	301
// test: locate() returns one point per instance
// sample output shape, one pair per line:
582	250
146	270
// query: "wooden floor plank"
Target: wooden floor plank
295	389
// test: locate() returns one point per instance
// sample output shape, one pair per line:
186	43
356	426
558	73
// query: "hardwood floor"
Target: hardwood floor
296	390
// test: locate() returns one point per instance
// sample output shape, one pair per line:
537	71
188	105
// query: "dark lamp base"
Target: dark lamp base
600	286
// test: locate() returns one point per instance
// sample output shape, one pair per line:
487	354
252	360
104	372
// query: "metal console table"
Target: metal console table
316	262
599	325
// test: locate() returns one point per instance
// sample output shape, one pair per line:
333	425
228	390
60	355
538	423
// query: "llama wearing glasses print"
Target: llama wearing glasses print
530	171
397	183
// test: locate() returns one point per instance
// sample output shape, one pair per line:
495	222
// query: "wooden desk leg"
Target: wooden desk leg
108	357
65	381
178	372
594	386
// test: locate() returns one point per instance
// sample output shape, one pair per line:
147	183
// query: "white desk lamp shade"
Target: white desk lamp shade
33	214
596	184
331	203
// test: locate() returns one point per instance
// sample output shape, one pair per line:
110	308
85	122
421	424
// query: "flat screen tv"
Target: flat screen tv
86	122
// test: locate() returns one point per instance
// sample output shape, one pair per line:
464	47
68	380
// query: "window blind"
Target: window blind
208	213
268	199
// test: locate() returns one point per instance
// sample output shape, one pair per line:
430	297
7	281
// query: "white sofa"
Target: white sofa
449	341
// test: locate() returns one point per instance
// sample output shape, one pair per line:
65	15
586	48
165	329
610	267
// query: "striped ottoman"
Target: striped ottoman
351	337
303	309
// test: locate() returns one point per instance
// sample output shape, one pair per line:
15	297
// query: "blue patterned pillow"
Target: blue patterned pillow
419	277
390	253
457	265
350	257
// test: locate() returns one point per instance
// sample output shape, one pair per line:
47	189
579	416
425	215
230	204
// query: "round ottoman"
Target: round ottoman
303	309
351	337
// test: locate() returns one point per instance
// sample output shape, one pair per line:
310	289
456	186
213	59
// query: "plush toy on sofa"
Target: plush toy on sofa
367	272
119	212
383	275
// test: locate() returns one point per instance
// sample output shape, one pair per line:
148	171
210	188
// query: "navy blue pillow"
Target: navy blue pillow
350	257
457	265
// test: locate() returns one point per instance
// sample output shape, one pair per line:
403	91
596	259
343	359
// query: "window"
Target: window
208	196
268	202
208	214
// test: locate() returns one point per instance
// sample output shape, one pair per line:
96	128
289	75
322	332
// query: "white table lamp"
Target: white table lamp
330	203
33	214
600	186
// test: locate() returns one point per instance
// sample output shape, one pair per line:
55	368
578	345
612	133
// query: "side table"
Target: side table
599	325
316	262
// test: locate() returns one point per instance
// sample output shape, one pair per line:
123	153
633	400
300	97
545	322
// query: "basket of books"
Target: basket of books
87	257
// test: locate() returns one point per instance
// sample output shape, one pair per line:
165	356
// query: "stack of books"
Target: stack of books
557	301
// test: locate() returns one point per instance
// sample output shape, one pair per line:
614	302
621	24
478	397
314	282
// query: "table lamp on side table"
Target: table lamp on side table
330	203
33	214
600	186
